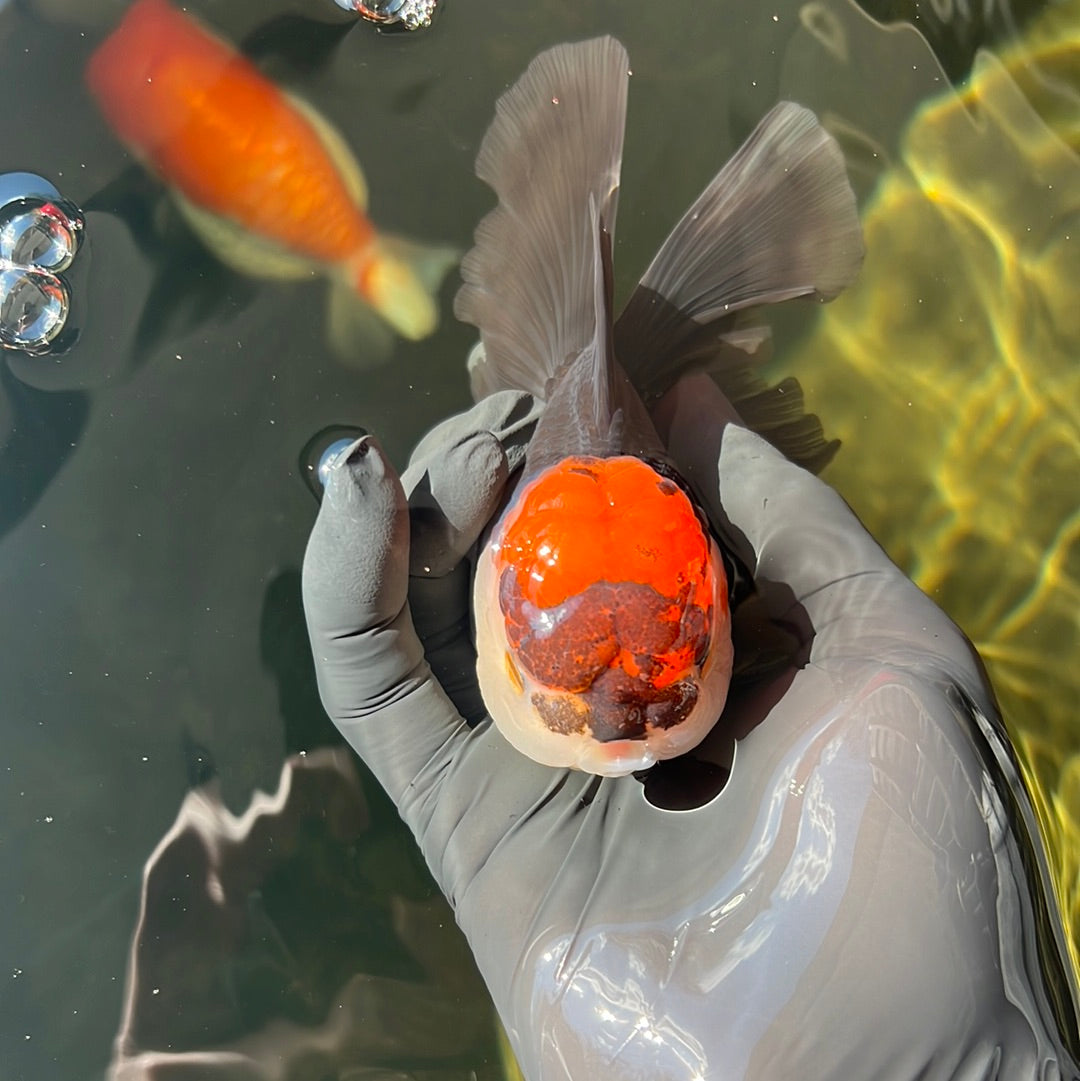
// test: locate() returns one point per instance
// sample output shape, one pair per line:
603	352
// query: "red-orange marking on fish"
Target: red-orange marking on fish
604	519
581	530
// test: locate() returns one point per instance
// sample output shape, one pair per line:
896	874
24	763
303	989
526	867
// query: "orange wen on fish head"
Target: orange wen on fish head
612	596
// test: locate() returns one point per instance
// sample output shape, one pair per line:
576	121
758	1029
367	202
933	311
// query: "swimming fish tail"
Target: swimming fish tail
778	221
399	279
534	284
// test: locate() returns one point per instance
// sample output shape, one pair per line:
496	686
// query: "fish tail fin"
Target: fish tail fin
358	336
552	156
400	279
778	221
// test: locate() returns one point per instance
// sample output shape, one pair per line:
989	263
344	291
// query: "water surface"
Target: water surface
155	518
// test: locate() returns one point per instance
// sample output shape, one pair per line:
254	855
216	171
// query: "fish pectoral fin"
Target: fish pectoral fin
778	221
552	155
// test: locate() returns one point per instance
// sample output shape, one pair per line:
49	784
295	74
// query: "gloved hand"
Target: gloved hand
854	903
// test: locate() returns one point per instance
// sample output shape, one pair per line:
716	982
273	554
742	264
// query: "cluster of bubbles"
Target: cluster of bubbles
406	14
40	235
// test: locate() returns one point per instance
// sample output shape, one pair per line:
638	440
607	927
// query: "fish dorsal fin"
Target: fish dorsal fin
591	407
552	155
595	397
778	221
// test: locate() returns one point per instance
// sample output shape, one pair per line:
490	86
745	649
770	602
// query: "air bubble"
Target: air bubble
407	14
33	308
41	236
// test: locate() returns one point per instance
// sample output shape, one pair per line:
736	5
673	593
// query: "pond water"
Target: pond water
154	509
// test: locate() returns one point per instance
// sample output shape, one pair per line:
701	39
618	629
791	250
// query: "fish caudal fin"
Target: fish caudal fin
358	336
400	279
552	155
777	222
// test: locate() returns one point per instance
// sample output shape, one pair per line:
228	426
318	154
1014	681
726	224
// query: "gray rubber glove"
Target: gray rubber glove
864	898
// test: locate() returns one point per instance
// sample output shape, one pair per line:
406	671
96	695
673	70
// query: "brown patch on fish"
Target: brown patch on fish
561	713
616	706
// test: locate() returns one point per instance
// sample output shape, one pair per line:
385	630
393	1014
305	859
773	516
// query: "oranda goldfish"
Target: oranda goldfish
601	602
269	186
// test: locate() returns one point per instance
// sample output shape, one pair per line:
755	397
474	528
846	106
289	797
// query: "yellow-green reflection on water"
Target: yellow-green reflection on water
951	370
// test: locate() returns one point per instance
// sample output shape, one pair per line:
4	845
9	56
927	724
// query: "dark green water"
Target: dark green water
154	513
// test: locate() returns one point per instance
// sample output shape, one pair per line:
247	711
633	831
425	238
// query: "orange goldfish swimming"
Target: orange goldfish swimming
601	599
268	185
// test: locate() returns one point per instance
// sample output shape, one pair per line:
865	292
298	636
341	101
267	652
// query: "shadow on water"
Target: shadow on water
302	937
957	29
266	949
38	431
295	43
283	644
189	288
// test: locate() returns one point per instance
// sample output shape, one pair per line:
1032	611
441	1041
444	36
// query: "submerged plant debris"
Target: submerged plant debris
950	372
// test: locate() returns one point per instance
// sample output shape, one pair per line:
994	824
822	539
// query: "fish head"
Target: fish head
602	619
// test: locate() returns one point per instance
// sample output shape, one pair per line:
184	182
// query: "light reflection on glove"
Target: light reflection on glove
862	899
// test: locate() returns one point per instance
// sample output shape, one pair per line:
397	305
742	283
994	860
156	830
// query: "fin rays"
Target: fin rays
554	148
778	221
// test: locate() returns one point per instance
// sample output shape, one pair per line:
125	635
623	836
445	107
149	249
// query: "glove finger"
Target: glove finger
355	581
452	501
455	482
355	565
457	474
510	415
455	788
373	678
